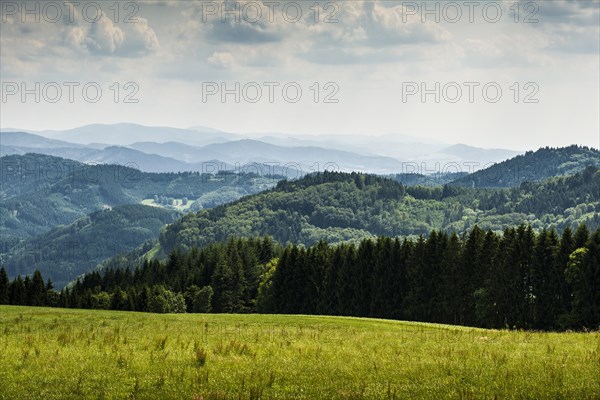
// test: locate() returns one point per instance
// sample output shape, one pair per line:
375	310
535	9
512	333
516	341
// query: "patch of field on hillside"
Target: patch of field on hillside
177	204
57	353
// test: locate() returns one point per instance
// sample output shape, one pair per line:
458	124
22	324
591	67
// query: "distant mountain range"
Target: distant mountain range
125	134
158	149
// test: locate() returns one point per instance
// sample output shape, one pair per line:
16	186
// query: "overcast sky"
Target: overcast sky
361	67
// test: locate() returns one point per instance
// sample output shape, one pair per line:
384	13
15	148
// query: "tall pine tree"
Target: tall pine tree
4	285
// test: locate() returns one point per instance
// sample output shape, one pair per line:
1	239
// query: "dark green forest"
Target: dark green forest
533	166
339	207
67	251
517	279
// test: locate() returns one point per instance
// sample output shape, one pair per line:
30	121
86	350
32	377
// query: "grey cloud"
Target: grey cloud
241	33
570	26
576	40
370	32
569	11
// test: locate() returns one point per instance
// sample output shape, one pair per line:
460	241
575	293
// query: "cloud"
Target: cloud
360	24
370	32
106	38
242	33
221	60
575	39
566	11
140	39
102	37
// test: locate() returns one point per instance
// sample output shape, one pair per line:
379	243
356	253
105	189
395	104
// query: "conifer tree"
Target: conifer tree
449	303
37	290
17	294
4	285
562	296
202	300
223	284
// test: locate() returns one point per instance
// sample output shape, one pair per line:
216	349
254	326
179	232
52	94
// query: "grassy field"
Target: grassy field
70	354
177	205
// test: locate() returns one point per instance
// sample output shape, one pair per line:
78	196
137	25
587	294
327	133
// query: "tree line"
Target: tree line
515	279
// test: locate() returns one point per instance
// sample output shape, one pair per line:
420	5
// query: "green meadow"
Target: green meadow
50	353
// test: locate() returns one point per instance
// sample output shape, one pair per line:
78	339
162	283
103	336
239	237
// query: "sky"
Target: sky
510	74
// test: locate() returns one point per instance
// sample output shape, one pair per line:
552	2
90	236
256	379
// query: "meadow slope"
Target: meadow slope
63	353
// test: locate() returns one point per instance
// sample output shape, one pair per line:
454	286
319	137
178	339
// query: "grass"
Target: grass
177	205
62	354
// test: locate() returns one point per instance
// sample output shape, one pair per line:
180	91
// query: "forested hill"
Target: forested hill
65	252
339	207
533	166
39	192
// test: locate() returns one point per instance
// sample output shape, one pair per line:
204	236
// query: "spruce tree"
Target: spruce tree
37	290
383	280
525	243
544	286
562	296
506	285
581	236
449	303
362	283
415	303
203	300
17	294
223	284
468	275
28	290
4	285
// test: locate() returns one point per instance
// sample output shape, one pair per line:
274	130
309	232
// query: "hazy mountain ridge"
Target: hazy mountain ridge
124	134
477	154
190	149
30	140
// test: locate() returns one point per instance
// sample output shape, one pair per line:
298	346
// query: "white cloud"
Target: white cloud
221	60
101	37
104	37
140	38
